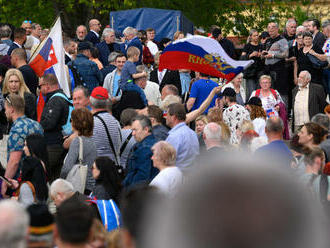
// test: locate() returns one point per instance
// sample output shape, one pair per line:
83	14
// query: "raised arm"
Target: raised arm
197	112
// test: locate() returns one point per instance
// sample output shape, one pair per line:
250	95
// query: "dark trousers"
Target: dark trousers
55	157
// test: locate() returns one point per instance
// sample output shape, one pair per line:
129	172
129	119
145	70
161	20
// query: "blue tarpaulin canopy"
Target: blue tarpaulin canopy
165	22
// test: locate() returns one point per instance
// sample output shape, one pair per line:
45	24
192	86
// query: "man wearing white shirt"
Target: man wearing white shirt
151	89
308	100
35	34
93	35
151	44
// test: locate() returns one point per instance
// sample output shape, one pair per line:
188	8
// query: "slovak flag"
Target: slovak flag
202	54
49	58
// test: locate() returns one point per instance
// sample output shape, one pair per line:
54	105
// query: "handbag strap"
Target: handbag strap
122	148
81	150
109	138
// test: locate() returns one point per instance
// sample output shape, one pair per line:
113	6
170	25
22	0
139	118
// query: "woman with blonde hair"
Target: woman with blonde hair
178	35
200	123
14	83
215	115
269	97
169	176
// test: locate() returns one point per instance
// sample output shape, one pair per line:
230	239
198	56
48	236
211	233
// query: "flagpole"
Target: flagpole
41	43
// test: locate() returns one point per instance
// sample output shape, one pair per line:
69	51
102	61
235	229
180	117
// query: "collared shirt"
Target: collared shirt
185	142
301	114
161	75
21	128
97	35
17	44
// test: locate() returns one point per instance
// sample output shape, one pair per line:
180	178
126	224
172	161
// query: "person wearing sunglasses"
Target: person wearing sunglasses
27	25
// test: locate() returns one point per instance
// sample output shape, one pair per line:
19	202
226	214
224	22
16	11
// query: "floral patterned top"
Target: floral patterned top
234	116
21	128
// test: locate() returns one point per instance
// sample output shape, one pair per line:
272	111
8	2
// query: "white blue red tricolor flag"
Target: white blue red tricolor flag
202	54
49	58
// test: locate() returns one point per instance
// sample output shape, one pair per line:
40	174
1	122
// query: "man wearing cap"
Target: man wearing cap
87	69
226	44
234	115
106	132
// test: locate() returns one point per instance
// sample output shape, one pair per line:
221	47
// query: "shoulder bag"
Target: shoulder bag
78	174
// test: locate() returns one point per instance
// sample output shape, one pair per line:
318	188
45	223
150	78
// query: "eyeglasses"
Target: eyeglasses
27	21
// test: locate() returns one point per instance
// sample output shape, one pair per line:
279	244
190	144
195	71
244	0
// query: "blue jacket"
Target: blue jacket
139	164
88	71
137	43
104	52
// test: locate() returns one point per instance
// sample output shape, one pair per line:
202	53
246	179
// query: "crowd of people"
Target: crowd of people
172	143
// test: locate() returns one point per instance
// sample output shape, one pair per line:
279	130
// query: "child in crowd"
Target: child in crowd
128	73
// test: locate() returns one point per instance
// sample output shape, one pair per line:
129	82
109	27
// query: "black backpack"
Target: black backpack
76	76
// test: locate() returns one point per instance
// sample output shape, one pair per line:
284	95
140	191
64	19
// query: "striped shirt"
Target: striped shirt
100	137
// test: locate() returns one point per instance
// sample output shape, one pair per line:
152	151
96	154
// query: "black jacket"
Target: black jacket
91	37
54	116
170	77
316	99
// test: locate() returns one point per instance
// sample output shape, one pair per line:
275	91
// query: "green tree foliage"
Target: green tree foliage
234	16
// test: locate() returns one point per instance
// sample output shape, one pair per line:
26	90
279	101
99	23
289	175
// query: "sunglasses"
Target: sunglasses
9	101
27	21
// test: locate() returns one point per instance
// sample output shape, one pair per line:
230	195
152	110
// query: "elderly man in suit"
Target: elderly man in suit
94	30
309	99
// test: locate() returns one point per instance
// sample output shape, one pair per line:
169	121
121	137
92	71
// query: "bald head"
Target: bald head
95	25
169	89
274	125
212	135
81	32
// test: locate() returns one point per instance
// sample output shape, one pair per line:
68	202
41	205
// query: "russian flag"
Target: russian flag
201	54
49	58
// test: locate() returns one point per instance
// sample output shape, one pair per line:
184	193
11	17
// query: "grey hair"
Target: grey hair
61	186
98	103
168	100
112	57
289	22
130	30
144	122
14	224
276	24
321	119
212	131
35	25
5	31
326	23
274	125
84	89
307	75
106	32
300	27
